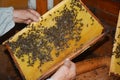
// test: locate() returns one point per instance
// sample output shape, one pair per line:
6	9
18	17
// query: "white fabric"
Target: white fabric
50	4
32	4
6	20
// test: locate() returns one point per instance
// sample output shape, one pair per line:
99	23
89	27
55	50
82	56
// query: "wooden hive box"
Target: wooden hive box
115	59
65	31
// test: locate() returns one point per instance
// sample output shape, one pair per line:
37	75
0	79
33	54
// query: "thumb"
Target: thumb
67	63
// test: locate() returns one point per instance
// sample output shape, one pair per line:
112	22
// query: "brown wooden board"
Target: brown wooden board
41	6
106	10
17	4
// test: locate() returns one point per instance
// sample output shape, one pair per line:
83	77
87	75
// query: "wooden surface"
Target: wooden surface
17	4
56	2
106	10
8	70
41	6
97	74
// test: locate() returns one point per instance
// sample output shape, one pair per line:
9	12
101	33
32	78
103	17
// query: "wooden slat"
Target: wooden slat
107	10
56	2
17	4
41	6
106	17
110	6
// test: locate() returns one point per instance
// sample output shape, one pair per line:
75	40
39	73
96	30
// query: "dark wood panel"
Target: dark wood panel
17	4
106	17
110	6
41	6
56	2
107	10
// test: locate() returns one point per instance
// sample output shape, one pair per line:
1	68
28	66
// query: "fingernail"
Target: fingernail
68	59
67	63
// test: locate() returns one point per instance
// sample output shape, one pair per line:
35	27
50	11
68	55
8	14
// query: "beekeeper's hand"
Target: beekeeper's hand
26	16
66	72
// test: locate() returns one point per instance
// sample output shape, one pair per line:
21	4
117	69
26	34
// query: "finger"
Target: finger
73	66
34	12
19	20
32	16
73	70
67	63
28	21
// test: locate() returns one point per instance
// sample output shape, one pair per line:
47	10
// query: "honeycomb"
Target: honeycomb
115	59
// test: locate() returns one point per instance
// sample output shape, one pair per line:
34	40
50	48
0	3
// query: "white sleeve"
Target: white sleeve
6	20
32	4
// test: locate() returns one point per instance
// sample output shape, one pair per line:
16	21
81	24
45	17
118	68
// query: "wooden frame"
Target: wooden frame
90	41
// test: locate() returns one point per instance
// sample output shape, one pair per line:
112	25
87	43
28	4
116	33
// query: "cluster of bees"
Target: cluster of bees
116	52
36	43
